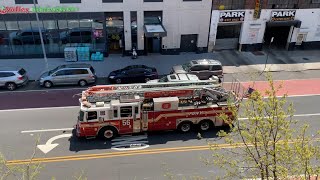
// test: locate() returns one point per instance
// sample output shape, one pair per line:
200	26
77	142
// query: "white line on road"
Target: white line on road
47	130
296	115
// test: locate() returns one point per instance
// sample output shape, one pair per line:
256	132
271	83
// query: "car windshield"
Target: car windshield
54	70
164	79
186	66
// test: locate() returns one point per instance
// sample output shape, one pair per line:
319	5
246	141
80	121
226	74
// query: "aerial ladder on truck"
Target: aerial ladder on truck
105	93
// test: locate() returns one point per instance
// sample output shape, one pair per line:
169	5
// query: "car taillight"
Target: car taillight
20	78
92	76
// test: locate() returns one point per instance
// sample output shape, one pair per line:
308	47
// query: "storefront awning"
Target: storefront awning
154	30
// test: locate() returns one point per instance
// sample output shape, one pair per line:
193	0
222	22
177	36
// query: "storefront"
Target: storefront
279	29
105	26
228	26
20	33
282	29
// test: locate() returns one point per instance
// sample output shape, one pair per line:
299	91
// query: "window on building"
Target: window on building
112	1
126	111
25	1
92	115
70	1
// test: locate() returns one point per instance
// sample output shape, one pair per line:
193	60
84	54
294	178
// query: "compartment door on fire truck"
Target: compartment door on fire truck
126	119
92	125
165	112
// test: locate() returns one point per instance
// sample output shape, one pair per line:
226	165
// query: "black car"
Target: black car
133	74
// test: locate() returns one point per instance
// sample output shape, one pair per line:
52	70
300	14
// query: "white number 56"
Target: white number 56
126	123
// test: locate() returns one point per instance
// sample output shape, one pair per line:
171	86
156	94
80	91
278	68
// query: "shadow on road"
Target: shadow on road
151	138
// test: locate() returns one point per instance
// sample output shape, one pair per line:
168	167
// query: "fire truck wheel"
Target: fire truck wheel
185	127
108	133
205	125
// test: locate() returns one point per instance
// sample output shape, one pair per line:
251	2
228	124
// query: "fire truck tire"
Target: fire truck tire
185	127
108	133
205	125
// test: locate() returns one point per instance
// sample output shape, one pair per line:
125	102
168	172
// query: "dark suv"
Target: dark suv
76	35
29	36
133	74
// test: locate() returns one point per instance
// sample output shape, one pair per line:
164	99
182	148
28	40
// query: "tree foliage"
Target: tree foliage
270	146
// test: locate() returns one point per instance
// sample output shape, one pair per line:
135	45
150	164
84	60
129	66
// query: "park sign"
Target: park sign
283	15
19	9
231	16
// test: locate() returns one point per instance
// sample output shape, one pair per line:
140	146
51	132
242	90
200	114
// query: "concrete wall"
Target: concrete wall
179	17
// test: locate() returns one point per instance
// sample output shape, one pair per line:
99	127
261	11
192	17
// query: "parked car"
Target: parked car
203	68
29	36
69	74
176	78
133	74
11	77
76	35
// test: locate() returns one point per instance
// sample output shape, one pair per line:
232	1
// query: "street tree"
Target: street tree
265	141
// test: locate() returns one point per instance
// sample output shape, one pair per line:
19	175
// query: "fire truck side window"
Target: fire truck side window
92	115
115	113
126	111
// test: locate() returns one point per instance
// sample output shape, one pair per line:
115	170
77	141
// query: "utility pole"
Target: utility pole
40	33
265	64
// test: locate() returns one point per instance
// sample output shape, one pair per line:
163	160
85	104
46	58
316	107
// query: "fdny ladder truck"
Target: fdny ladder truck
110	110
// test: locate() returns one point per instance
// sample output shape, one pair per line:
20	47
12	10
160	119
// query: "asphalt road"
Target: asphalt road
100	160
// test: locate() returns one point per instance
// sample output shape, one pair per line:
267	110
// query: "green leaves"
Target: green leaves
270	146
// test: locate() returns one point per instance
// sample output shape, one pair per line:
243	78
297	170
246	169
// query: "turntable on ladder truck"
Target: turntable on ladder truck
110	110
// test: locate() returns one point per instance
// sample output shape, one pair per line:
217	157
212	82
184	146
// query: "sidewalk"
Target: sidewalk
233	62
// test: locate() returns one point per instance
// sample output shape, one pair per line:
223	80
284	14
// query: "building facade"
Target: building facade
251	25
109	26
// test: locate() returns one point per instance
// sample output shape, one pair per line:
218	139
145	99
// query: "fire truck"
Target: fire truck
107	111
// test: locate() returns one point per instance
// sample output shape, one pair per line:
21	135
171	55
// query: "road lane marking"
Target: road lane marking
128	153
47	130
48	146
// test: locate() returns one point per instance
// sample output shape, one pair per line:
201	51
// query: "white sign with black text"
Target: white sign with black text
284	15
232	16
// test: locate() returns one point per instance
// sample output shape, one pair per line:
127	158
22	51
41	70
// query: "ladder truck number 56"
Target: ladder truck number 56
126	123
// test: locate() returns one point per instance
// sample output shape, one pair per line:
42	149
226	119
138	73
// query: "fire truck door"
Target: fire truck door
144	121
92	125
136	120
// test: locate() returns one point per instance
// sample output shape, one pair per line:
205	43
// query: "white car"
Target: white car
176	78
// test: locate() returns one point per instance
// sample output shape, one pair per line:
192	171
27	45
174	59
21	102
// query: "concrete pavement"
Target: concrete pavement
234	62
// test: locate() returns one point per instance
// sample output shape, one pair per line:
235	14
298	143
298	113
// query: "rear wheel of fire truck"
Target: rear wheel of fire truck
185	127
205	125
108	133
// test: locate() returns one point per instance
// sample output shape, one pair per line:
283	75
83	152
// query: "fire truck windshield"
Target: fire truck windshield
81	115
